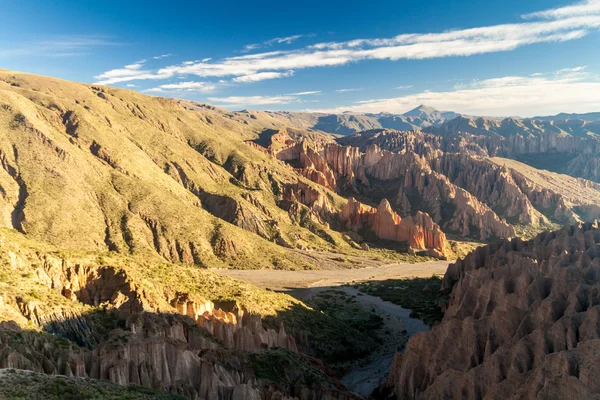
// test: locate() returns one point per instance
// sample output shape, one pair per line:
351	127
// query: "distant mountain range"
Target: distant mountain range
513	126
349	123
593	116
440	122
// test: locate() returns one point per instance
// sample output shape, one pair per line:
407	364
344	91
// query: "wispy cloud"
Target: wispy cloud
238	101
162	56
555	25
183	87
250	101
404	87
287	40
59	46
271	42
261	76
585	8
306	93
349	90
511	95
250	47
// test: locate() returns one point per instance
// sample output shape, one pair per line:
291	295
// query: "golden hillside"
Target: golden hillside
99	168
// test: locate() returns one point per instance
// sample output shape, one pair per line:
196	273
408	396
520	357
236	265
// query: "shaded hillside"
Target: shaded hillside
522	322
563	146
593	116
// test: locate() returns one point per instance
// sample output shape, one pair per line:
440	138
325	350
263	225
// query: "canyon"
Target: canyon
180	247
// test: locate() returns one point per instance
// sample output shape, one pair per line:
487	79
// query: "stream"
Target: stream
304	284
365	379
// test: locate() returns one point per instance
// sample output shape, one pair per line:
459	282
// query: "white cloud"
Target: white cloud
131	72
404	87
271	42
557	25
184	87
238	101
250	47
162	56
349	90
130	85
287	40
59	46
306	93
504	96
589	7
206	59
571	70
261	76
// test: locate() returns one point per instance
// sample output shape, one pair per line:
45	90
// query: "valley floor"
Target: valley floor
367	374
296	282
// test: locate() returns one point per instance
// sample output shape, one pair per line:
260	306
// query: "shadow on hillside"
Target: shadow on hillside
421	295
139	348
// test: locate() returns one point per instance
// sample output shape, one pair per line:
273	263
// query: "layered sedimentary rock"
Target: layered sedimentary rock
310	197
516	192
548	132
522	322
419	231
158	352
406	179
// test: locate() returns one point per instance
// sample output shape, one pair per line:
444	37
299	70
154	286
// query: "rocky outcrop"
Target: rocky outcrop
522	322
131	332
407	180
309	196
549	134
160	352
533	200
419	231
491	184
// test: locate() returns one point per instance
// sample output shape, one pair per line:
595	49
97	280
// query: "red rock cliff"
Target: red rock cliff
419	231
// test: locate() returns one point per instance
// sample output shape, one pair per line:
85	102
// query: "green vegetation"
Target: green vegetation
337	304
422	295
328	337
530	231
25	385
286	368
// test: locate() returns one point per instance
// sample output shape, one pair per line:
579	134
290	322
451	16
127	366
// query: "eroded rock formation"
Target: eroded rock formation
535	199
405	178
419	231
522	322
172	341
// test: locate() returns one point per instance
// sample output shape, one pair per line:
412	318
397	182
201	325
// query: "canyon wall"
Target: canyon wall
522	322
405	179
129	330
518	193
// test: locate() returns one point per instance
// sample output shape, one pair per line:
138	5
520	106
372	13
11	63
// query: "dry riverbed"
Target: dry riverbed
396	324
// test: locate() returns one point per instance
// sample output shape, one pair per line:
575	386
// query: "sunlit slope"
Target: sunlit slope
100	168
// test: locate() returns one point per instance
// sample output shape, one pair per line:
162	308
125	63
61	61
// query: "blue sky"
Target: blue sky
483	58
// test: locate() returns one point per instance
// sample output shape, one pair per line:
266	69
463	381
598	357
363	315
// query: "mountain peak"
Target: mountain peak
420	111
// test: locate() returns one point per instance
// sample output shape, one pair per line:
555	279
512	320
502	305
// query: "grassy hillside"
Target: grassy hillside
99	168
